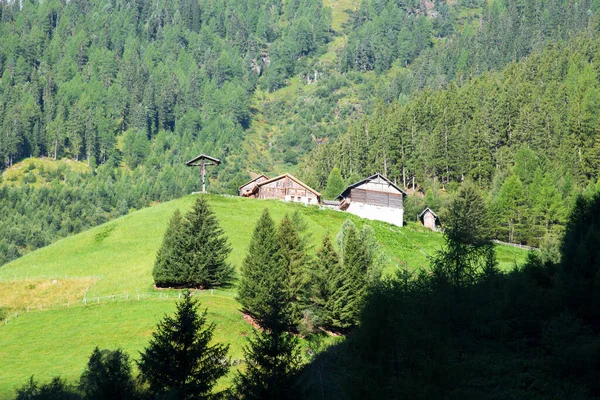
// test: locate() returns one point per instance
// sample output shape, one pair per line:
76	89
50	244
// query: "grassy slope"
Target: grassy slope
34	166
117	258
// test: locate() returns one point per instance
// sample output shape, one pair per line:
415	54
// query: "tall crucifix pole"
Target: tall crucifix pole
203	172
204	161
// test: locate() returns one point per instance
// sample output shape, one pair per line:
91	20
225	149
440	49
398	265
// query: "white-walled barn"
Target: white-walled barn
376	198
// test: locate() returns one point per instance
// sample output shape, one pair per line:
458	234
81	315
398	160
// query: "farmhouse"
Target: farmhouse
284	187
376	198
247	189
429	219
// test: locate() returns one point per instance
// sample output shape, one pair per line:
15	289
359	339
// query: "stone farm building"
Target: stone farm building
429	219
376	198
284	187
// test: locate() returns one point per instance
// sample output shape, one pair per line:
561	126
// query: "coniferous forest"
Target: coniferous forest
135	89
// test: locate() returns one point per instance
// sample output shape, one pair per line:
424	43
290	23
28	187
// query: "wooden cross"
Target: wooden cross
204	162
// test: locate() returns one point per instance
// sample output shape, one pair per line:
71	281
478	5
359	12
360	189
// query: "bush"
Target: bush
108	376
56	389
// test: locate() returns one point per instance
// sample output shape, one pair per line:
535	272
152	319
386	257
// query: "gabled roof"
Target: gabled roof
298	181
252	180
370	178
430	210
200	157
436	218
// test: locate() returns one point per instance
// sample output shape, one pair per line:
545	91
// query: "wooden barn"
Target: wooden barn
247	189
376	198
429	219
288	188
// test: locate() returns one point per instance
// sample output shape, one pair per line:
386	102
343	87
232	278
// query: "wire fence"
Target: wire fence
20	278
517	245
90	301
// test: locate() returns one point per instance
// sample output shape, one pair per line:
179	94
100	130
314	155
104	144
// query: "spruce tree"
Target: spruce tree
349	280
292	258
322	275
179	361
170	267
272	360
468	241
206	247
357	262
272	357
194	251
263	278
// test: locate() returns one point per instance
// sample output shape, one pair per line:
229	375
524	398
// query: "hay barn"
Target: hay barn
375	198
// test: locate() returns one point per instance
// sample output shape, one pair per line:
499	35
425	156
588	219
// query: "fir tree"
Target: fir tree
292	258
272	357
206	247
349	281
272	360
169	267
322	274
468	240
263	280
194	251
179	361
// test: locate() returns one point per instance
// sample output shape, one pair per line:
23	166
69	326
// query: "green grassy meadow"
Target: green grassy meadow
111	265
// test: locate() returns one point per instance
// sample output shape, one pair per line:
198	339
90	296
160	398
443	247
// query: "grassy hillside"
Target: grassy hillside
39	171
111	266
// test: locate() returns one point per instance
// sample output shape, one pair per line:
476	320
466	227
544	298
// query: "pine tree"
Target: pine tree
468	241
179	361
194	251
261	291
322	274
206	247
349	281
292	258
272	360
512	208
335	184
272	357
169	267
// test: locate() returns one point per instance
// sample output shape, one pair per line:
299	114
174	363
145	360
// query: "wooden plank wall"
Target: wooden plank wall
280	188
376	198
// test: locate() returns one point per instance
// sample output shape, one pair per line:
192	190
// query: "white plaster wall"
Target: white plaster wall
301	199
393	216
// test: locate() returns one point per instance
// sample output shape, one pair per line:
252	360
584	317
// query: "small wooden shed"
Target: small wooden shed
247	189
430	220
288	188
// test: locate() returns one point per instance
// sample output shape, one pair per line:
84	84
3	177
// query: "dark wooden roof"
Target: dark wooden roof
370	178
437	219
201	157
252	180
298	181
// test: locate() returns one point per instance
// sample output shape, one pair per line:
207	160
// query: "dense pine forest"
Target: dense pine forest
133	90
